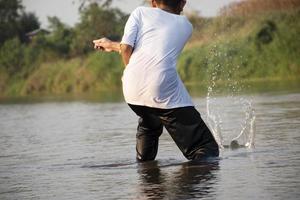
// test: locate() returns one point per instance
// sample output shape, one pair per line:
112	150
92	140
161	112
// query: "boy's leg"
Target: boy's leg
190	133
148	131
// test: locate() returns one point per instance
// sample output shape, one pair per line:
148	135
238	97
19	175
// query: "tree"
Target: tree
9	14
97	21
14	21
11	54
102	3
61	36
27	22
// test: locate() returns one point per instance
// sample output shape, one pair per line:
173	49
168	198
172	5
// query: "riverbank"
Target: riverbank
226	49
221	89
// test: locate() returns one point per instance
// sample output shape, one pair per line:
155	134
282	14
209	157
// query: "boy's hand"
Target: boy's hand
103	44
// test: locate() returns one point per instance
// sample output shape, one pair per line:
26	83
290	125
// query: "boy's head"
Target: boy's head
175	5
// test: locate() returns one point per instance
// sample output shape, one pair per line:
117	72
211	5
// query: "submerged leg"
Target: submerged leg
147	136
190	133
148	132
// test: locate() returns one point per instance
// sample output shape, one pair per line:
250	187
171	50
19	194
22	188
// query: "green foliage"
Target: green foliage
11	54
270	49
223	49
14	21
104	3
97	22
9	10
98	72
20	60
61	37
106	67
3	81
27	22
9	14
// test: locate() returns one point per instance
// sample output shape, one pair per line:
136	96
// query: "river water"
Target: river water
86	150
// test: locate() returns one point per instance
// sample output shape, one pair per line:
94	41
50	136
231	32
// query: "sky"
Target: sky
67	10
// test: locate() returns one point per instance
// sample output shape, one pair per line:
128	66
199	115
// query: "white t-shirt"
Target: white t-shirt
150	79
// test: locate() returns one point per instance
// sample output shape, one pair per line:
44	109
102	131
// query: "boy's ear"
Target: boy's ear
182	4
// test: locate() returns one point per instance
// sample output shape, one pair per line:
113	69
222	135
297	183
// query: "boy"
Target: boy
153	39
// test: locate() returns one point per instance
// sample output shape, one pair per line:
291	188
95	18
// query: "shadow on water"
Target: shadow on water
176	181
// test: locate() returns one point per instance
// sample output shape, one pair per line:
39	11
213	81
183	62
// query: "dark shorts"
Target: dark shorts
185	126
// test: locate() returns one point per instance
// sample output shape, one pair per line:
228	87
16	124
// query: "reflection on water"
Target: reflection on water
86	150
190	180
152	181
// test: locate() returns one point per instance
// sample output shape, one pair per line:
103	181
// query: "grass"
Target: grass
260	47
95	73
255	7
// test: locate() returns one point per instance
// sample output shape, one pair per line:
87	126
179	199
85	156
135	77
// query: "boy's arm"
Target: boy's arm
126	52
107	45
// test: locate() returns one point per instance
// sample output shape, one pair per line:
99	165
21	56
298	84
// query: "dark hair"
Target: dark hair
170	3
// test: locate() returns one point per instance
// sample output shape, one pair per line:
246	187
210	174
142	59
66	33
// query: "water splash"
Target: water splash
245	136
247	133
214	121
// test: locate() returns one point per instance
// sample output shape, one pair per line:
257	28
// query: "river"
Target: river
86	150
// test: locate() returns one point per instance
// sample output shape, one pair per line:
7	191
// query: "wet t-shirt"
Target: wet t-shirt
150	78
